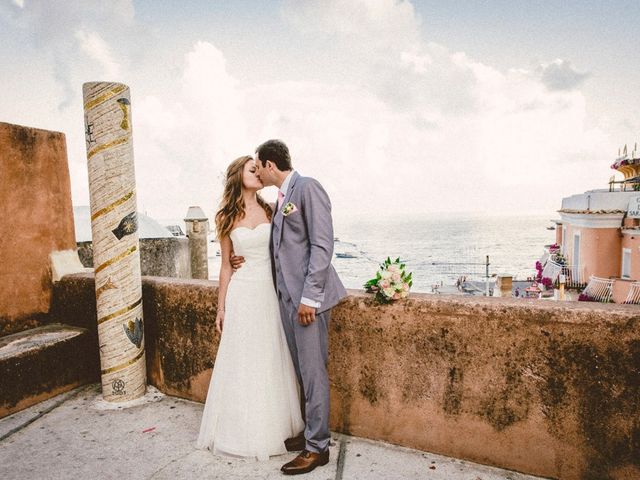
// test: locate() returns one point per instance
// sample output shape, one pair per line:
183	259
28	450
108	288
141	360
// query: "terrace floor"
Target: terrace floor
76	435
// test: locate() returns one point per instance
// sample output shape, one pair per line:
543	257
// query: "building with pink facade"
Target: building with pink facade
598	234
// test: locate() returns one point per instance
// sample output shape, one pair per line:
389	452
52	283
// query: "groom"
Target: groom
308	287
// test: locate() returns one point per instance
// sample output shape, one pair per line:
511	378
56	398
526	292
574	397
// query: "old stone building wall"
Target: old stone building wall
36	218
159	257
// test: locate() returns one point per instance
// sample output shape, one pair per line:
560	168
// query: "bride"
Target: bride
253	400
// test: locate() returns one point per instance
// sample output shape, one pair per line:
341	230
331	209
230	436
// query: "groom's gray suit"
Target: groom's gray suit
301	253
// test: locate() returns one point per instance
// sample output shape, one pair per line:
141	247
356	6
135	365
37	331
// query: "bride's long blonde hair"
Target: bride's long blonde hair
232	206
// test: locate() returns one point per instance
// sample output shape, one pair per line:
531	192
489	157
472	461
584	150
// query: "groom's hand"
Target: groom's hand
236	262
306	314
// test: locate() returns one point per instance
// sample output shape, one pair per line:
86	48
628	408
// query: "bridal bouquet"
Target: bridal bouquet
391	282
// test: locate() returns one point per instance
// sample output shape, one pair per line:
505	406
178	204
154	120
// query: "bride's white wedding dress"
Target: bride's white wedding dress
253	400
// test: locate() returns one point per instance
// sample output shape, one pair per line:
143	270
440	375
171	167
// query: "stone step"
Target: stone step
42	362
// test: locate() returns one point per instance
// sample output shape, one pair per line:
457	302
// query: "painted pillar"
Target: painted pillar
116	252
197	231
559	239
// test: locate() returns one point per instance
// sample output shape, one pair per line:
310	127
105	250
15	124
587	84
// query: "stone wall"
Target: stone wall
159	257
36	218
539	387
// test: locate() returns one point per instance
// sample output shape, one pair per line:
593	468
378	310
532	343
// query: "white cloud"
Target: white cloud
67	30
19	3
418	63
379	24
561	75
185	139
97	49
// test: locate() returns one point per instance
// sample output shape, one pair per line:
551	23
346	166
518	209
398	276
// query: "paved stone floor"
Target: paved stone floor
77	436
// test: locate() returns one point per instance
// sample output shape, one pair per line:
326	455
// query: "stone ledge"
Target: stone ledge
43	362
35	339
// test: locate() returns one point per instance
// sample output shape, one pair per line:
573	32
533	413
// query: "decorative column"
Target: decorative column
116	253
197	231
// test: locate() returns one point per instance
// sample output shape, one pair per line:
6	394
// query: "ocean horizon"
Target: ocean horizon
438	247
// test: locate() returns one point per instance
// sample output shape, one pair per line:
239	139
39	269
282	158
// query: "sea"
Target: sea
438	249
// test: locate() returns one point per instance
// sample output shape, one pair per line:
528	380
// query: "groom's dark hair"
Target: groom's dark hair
275	151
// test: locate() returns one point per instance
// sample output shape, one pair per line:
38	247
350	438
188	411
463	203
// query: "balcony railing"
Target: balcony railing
573	274
633	297
544	258
599	289
552	270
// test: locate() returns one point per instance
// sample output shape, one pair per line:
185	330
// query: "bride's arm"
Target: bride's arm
225	275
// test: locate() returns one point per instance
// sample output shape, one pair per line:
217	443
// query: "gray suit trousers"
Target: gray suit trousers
309	352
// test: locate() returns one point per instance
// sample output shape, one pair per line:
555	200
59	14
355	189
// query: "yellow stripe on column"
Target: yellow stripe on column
128	251
112	206
104	97
105	146
120	312
125	364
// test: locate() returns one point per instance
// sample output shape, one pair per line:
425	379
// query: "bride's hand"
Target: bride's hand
219	321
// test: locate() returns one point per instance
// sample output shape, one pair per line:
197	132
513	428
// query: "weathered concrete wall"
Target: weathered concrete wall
540	387
42	362
536	387
36	218
159	257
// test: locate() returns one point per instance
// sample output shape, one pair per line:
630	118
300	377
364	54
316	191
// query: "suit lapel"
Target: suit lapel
278	218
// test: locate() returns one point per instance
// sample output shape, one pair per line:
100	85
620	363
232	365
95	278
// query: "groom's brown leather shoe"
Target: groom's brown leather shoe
305	462
295	444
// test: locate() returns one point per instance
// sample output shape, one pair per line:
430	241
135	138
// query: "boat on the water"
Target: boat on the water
346	255
346	249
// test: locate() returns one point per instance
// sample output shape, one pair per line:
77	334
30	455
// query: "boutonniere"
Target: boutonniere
288	209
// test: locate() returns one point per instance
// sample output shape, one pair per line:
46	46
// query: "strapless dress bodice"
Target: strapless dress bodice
253	245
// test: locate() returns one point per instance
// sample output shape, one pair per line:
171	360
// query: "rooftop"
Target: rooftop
76	435
598	201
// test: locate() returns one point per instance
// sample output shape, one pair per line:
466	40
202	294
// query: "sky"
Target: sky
396	107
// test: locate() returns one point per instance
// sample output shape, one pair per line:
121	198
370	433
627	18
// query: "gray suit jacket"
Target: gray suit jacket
302	246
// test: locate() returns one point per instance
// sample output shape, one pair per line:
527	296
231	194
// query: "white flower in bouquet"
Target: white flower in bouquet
386	274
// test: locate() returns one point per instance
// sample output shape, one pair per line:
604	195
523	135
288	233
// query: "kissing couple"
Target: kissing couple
269	391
